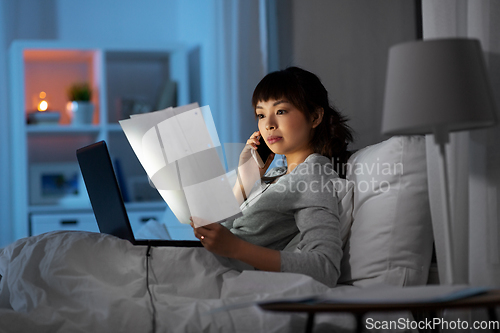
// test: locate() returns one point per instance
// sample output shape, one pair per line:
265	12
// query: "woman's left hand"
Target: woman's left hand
218	239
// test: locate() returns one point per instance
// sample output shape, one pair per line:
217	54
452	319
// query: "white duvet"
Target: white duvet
91	282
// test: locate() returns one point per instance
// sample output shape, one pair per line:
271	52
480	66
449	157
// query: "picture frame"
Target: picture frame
57	184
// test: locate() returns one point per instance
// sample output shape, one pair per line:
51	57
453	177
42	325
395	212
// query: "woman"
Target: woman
296	120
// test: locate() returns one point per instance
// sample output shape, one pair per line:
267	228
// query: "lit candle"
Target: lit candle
42	116
43	106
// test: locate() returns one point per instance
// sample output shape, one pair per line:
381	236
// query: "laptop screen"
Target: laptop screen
104	192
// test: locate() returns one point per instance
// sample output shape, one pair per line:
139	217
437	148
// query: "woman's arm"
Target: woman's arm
316	214
219	240
248	171
320	248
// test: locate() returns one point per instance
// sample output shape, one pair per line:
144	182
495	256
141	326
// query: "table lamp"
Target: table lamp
435	87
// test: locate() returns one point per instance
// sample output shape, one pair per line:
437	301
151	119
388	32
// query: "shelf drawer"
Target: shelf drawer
182	232
41	223
176	230
138	219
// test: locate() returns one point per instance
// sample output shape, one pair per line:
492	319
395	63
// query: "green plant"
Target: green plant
80	92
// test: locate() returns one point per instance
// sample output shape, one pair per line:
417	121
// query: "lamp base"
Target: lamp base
441	138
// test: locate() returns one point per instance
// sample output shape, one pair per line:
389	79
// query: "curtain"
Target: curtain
473	157
240	63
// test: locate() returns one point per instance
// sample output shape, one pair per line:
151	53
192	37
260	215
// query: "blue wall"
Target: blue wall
117	20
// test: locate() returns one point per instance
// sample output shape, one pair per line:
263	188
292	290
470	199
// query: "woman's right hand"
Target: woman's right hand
248	170
246	154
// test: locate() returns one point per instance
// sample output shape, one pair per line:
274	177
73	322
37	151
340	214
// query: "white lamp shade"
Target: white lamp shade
439	83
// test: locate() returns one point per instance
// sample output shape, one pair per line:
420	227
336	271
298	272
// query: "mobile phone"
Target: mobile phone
262	153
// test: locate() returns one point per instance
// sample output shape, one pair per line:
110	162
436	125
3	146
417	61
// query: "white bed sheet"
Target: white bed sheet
90	282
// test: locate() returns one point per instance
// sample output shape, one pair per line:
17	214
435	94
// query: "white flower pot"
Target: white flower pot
82	112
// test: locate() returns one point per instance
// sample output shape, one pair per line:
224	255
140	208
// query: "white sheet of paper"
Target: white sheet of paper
210	125
211	201
176	201
178	150
165	179
152	153
136	127
184	135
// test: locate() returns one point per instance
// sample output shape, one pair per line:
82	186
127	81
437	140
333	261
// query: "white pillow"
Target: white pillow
391	235
344	191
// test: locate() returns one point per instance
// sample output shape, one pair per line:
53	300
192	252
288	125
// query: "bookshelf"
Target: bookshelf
124	79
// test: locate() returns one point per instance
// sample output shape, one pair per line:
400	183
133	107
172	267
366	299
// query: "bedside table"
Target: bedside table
489	300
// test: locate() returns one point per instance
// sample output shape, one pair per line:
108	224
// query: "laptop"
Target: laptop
106	198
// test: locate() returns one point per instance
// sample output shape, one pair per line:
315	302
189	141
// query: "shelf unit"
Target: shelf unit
116	73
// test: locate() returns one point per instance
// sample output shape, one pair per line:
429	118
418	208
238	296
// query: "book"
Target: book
180	152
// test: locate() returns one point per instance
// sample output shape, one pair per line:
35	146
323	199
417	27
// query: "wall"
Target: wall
117	21
198	27
346	44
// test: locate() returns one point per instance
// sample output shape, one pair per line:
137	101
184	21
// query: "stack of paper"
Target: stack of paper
180	151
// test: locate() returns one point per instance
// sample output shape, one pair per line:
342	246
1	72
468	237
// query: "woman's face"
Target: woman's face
285	129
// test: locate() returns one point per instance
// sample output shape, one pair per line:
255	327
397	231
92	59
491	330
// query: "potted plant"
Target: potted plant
82	108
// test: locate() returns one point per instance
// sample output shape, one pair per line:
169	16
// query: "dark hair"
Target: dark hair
306	92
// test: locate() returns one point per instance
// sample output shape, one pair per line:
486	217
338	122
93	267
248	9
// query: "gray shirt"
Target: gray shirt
300	202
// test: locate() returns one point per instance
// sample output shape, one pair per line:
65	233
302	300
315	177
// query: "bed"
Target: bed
91	282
